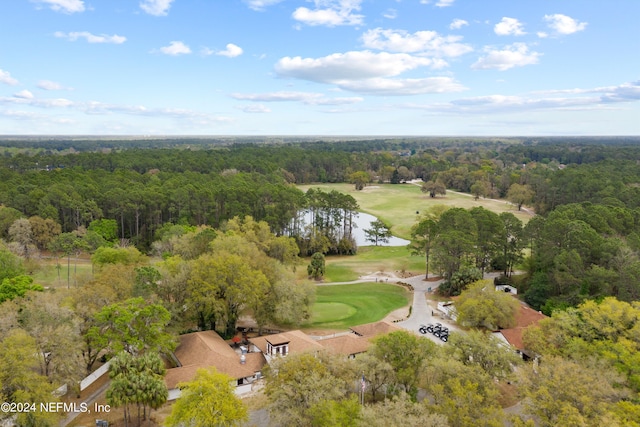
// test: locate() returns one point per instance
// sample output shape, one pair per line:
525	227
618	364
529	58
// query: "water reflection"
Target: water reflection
363	222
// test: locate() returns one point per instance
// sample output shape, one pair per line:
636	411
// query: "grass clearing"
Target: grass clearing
343	306
49	275
371	259
338	272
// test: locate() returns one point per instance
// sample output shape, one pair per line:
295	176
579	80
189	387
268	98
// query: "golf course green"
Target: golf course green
343	306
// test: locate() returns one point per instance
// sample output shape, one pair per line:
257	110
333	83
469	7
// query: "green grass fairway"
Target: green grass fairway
397	204
342	306
370	259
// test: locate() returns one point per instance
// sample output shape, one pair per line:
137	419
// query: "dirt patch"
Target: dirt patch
508	394
398	315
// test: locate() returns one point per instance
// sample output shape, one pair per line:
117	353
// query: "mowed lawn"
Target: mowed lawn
343	306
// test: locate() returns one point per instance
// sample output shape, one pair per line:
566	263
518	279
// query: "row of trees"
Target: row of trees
327	223
141	203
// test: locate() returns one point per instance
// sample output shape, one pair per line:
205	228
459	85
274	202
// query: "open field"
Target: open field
50	275
397	204
342	306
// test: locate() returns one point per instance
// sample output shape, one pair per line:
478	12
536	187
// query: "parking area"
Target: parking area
423	310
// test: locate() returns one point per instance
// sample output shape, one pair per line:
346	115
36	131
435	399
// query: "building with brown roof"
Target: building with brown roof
207	349
348	345
284	343
374	329
525	317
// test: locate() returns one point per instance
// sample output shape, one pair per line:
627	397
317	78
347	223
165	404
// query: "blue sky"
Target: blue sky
320	67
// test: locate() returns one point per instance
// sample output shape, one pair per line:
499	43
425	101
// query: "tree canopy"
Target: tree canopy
208	401
480	305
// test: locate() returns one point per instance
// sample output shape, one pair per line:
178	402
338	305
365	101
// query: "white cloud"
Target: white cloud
64	6
5	77
254	108
397	87
439	3
330	13
231	51
338	101
367	72
623	93
542	34
282	96
599	98
309	98
260	5
49	85
509	27
24	94
515	55
43	103
354	65
175	48
563	24
156	7
428	42
91	38
390	14
456	24
22	115
100	108
519	103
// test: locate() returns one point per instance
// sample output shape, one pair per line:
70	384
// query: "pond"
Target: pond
363	222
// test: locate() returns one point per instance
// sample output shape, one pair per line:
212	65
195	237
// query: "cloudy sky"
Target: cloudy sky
320	67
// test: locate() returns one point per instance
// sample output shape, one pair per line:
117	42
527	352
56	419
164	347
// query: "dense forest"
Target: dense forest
225	220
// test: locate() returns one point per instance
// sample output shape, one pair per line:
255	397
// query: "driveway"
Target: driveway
421	312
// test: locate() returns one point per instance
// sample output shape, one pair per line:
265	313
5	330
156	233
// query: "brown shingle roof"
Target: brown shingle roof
298	341
346	344
524	318
196	346
206	349
373	329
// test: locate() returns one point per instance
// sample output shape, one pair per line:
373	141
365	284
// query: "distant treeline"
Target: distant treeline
206	181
